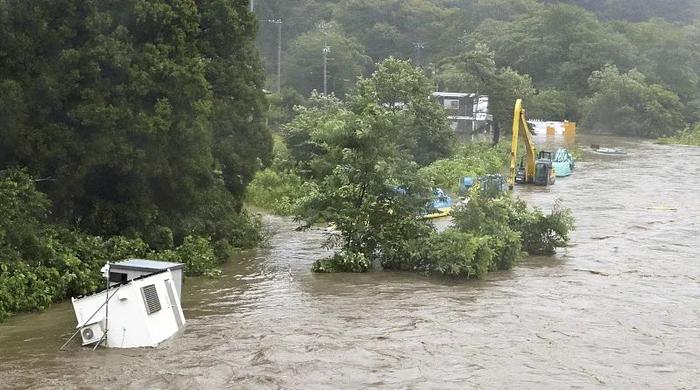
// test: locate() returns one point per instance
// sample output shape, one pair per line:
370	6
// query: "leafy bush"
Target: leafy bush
404	255
689	136
224	251
507	247
279	192
473	159
23	210
542	234
198	255
24	287
453	253
342	262
507	218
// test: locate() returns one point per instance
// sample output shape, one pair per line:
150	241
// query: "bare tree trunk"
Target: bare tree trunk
496	132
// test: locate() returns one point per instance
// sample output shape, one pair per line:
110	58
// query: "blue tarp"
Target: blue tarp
563	163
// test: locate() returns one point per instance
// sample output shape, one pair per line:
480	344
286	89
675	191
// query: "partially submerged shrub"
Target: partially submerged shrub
689	136
489	234
404	255
491	217
542	234
25	288
506	216
342	262
453	253
507	248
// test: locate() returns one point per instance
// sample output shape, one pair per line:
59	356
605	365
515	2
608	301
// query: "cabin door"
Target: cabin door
171	295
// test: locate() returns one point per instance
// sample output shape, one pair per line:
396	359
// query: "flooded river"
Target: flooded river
618	309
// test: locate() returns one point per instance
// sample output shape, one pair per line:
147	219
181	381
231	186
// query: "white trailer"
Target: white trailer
140	312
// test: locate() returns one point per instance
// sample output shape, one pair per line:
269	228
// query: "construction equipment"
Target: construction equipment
491	185
439	206
535	169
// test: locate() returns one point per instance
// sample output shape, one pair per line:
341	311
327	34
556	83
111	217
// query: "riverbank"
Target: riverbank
689	136
43	262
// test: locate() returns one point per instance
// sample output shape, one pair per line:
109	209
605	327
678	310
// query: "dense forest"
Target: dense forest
567	59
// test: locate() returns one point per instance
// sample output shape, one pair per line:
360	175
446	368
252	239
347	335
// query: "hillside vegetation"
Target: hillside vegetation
567	59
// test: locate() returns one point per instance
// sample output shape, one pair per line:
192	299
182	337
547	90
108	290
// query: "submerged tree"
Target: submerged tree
363	157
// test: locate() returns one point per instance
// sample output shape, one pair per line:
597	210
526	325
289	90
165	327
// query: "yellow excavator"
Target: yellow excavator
533	168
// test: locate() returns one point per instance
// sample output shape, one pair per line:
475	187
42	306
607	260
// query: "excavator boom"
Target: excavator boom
520	128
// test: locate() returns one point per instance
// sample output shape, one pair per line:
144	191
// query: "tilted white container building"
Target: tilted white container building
142	311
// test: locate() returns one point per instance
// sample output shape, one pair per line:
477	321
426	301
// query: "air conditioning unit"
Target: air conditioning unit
92	333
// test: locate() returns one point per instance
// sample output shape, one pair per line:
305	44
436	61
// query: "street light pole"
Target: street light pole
418	46
325	51
279	55
278	22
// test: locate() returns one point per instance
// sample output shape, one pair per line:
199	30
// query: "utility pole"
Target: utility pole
418	46
278	22
325	51
252	5
279	55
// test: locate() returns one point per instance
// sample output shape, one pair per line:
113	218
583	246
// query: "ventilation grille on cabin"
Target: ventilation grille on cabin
150	298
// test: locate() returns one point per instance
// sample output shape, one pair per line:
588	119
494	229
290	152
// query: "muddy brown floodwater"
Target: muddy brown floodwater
618	309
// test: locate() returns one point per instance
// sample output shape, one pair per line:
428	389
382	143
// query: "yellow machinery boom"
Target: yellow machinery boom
519	121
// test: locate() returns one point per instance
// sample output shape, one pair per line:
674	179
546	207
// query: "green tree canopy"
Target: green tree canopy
627	104
361	157
475	71
558	47
139	114
391	27
641	10
670	58
419	120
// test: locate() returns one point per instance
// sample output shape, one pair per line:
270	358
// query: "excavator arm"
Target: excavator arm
520	128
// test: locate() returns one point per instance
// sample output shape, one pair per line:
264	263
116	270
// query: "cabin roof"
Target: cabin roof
452	94
145	265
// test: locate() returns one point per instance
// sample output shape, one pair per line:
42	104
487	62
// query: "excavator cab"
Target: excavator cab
544	169
544	155
544	173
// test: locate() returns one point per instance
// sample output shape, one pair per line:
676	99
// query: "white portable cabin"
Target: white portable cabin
141	312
